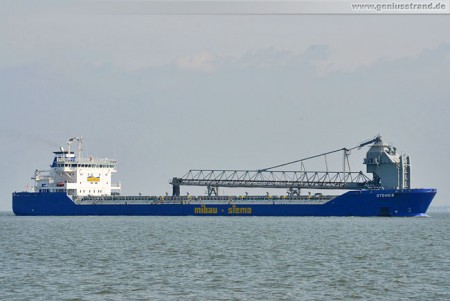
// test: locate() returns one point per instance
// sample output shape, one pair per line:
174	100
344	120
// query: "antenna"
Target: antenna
114	148
80	146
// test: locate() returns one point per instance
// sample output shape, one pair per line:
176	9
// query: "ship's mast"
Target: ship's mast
80	145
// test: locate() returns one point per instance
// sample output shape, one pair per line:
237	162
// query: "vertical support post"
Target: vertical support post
408	173
213	190
343	168
175	187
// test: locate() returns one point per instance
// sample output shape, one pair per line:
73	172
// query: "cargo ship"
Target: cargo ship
78	185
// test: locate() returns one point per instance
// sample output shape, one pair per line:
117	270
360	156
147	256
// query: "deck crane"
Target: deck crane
272	177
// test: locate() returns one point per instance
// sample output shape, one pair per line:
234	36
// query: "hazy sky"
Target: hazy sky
165	94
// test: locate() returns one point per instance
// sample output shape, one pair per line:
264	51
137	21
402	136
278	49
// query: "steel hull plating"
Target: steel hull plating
412	202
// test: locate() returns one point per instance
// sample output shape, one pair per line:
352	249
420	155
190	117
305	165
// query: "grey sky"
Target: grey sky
168	93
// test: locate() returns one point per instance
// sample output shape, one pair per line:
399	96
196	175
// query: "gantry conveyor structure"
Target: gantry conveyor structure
272	177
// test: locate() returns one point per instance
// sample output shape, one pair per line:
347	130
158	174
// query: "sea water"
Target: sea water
224	258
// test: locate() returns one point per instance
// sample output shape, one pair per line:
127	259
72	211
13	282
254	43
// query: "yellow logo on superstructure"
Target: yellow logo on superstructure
93	179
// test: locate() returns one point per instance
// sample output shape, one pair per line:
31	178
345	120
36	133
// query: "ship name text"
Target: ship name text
385	195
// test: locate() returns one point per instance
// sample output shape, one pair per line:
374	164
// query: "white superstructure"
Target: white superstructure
78	176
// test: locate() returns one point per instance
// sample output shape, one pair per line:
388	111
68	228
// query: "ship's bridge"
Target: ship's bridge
65	159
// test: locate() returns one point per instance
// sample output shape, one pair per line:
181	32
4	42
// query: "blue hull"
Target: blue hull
412	202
